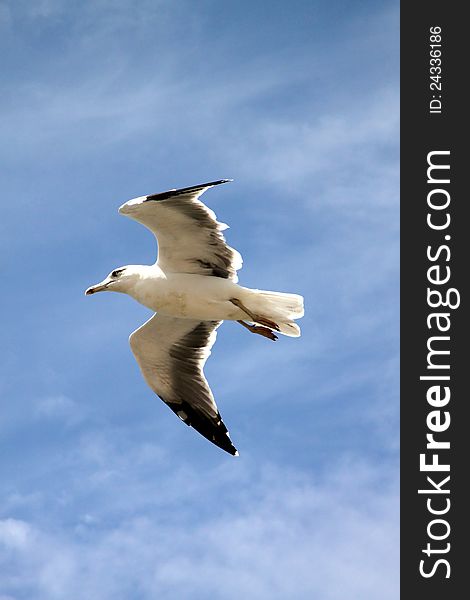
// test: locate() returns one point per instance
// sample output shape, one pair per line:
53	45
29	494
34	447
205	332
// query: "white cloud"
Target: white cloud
57	407
285	535
15	534
30	409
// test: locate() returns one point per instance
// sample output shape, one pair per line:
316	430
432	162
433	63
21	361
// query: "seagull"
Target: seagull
192	288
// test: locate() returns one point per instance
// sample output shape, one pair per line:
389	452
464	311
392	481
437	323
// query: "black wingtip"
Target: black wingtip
213	430
181	191
210	184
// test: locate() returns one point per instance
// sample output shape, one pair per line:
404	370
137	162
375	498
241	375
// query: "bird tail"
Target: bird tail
281	308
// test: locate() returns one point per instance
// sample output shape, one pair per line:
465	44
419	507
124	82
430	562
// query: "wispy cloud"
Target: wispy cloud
57	407
274	542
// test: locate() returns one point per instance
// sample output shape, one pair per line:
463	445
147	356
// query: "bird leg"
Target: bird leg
264	331
255	318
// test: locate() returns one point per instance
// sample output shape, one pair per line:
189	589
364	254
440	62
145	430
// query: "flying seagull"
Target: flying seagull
192	288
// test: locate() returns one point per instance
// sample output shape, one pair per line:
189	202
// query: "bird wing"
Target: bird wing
171	354
190	238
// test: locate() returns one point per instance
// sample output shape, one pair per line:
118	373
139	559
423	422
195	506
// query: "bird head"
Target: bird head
119	280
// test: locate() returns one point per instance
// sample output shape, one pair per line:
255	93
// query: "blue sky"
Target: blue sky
104	493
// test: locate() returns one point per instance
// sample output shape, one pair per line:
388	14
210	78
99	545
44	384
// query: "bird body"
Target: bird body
192	288
190	296
184	295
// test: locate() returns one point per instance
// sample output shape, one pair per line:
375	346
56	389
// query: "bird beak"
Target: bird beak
99	287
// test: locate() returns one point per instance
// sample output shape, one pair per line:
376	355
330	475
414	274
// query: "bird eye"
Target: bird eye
116	273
